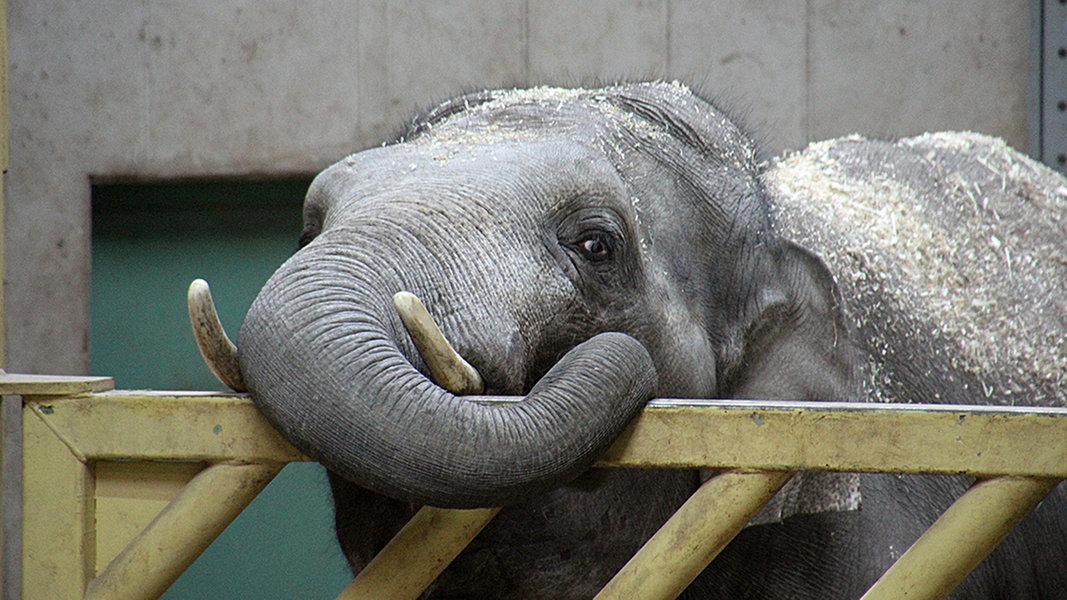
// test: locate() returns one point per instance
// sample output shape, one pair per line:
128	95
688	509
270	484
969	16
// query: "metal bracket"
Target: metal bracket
1051	83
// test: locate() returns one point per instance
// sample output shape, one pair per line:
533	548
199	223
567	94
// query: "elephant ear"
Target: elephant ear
797	344
797	347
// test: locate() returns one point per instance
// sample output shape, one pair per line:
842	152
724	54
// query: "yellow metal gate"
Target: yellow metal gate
122	490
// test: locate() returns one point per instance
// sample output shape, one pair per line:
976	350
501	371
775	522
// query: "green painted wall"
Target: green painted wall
149	242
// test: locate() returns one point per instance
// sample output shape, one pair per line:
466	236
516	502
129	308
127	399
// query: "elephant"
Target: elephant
590	249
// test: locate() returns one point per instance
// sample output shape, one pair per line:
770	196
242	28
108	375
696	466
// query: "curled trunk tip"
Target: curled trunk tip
322	363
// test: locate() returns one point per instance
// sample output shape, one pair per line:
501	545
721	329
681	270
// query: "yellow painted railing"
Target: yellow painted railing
122	490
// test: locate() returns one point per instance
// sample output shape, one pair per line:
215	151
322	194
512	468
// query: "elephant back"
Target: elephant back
950	251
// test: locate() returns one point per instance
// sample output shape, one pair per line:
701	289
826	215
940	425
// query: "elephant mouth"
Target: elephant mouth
447	368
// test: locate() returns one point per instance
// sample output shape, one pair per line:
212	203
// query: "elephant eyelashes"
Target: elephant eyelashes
591	234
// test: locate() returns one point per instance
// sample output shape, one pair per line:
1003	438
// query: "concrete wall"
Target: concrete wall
153	89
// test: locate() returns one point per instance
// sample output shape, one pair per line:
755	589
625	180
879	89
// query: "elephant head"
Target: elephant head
585	249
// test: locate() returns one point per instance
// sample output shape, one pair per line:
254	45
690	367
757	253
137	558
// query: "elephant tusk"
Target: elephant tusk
446	366
218	351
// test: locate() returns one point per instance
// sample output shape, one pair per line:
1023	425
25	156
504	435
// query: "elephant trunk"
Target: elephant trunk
319	350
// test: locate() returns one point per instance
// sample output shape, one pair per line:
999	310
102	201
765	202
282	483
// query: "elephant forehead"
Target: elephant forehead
530	175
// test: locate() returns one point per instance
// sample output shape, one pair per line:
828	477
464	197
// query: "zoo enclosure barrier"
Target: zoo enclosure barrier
122	490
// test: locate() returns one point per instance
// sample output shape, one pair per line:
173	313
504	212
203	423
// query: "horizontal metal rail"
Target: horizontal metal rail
825	436
979	441
73	428
763	436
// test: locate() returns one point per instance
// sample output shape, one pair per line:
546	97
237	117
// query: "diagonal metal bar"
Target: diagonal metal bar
672	558
429	542
186	527
960	539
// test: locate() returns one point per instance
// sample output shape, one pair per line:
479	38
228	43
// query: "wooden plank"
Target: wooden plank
64	434
189	427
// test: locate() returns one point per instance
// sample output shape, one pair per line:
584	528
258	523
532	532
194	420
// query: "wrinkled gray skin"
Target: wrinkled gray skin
531	224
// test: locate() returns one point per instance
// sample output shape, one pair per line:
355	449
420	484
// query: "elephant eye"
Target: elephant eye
596	246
